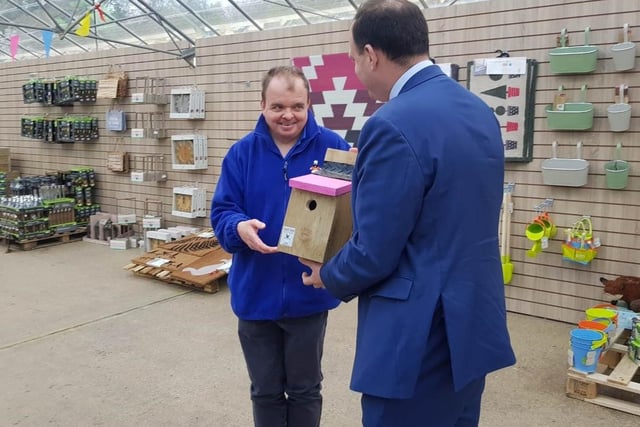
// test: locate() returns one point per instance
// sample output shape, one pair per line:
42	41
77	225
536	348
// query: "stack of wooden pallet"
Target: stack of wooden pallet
615	384
196	261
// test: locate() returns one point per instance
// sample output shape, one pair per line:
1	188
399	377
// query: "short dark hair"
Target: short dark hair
396	27
288	71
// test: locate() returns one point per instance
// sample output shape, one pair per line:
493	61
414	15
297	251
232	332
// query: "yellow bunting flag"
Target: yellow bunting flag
85	23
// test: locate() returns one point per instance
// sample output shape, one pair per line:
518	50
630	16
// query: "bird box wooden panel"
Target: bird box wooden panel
317	225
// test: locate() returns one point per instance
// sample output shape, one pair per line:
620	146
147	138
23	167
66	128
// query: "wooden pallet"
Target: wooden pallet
615	384
41	242
193	262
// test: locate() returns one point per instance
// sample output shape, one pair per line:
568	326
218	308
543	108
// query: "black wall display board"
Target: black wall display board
512	99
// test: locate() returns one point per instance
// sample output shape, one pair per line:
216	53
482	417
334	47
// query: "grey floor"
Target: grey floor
85	343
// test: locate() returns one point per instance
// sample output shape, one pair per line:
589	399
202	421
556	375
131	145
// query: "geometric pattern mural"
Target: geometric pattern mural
339	100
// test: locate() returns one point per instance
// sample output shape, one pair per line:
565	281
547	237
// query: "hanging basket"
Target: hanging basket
114	85
579	246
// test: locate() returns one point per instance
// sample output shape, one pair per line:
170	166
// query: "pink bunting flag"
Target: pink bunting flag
14	40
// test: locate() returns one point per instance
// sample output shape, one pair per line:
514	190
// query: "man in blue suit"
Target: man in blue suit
423	259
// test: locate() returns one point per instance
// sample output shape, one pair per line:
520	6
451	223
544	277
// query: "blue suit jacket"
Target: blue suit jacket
427	190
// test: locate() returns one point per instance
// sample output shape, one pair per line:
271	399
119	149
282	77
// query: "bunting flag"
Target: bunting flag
47	38
14	40
85	24
100	12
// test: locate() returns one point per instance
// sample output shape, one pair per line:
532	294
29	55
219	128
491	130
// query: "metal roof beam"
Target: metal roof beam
297	11
247	17
311	12
77	21
117	22
56	27
195	15
145	47
166	22
71	17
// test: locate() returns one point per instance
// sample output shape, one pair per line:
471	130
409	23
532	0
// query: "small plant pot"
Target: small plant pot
624	56
619	116
617	171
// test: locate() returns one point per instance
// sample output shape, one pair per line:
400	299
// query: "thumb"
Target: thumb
258	224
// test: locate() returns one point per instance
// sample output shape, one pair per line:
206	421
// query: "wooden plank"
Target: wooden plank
603	379
617	404
624	372
55	239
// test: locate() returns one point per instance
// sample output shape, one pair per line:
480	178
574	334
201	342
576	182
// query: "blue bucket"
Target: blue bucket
586	347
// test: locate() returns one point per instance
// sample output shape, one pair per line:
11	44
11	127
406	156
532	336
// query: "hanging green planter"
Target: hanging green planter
571	115
573	59
617	171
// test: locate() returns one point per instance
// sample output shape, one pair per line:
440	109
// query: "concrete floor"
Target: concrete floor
85	343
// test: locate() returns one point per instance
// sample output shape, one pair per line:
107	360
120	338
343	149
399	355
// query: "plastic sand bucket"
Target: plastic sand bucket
592	324
617	171
586	347
607	326
606	305
624	54
597	313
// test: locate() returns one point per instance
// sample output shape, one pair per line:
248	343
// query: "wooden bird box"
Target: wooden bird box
318	218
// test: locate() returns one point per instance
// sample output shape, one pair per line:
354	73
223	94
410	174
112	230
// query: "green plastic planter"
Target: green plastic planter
575	116
573	59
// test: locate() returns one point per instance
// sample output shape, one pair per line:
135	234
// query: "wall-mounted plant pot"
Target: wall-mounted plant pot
575	116
565	172
563	115
573	59
619	116
624	54
617	171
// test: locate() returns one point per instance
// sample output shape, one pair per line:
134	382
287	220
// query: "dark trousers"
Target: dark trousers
435	403
283	359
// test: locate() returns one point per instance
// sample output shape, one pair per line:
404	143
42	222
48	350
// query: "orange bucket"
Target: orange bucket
592	324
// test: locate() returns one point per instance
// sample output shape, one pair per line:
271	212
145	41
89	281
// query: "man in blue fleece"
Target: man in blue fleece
281	323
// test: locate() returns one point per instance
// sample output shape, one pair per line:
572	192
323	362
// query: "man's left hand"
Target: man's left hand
312	279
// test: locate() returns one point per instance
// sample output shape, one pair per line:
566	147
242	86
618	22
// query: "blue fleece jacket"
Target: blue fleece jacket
254	184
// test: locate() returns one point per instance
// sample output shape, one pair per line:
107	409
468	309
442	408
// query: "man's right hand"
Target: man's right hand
248	232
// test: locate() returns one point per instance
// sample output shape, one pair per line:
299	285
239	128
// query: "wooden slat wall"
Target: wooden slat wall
229	69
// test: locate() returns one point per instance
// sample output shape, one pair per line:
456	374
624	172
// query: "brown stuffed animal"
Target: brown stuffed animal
628	287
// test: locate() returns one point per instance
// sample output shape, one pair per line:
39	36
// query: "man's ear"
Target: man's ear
372	56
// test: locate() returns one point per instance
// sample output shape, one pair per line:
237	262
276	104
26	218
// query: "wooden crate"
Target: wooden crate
614	385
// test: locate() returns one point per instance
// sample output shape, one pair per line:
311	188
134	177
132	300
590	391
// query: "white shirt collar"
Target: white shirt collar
398	85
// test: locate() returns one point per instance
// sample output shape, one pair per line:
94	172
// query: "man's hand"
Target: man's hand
312	279
248	232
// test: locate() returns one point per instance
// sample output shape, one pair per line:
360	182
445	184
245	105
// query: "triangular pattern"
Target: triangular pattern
339	100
